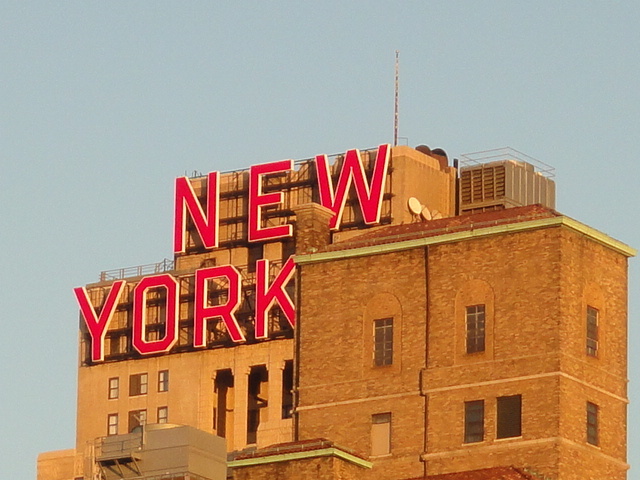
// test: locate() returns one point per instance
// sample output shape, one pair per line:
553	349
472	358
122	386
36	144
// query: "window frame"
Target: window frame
383	342
384	431
507	408
114	388
473	434
592	331
475	328
140	421
164	418
112	424
287	390
138	384
163	381
593	424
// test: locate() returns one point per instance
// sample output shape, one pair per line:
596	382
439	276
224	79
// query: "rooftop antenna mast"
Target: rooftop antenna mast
395	110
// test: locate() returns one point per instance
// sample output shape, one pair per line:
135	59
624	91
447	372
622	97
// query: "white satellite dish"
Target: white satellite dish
436	215
414	205
425	214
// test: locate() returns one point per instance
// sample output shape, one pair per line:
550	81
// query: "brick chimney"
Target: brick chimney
312	227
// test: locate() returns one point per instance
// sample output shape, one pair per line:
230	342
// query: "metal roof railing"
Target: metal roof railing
137	271
468	160
117	446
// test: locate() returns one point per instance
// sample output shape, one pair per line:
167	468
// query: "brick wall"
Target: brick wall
535	286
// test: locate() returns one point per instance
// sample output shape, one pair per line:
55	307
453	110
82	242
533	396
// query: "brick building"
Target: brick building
480	336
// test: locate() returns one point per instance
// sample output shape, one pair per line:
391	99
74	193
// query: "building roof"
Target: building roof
410	231
293	451
291	447
459	228
496	473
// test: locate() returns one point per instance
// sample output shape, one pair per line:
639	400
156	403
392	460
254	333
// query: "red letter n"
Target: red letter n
186	200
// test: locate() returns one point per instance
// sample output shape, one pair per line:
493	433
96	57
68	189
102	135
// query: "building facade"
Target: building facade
424	319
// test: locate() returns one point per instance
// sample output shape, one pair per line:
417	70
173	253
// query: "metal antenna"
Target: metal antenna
395	111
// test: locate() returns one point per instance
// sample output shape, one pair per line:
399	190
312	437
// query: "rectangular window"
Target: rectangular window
381	434
383	341
509	416
288	249
138	384
257	400
475	320
287	389
114	344
163	414
137	418
223	388
112	424
114	388
592	331
255	252
163	381
474	421
592	424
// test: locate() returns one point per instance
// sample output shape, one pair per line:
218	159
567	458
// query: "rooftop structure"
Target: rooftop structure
364	318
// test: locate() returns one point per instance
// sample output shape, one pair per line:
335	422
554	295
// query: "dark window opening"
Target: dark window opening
287	389
288	249
509	416
138	384
137	419
223	387
257	400
475	320
383	342
115	346
474	421
256	252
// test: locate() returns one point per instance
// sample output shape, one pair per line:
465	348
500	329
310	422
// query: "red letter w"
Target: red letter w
369	195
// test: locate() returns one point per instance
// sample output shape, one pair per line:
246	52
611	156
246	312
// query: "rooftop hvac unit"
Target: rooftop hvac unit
499	179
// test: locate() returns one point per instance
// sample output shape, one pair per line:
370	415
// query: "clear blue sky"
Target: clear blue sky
103	104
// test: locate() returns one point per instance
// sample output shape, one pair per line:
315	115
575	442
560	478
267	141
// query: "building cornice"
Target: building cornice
286	457
471	234
517	443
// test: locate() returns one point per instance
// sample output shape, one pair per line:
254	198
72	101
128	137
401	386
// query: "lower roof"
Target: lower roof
459	228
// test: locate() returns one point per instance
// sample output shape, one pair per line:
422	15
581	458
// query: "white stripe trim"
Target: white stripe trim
357	400
478	448
291	456
524	378
459	387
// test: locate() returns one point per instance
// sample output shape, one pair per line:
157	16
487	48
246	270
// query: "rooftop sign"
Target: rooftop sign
204	217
